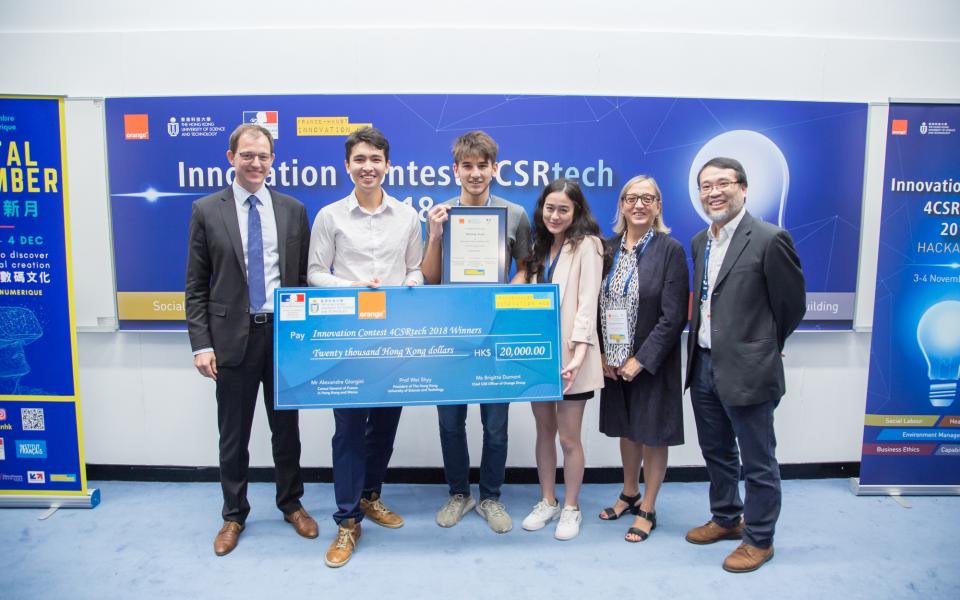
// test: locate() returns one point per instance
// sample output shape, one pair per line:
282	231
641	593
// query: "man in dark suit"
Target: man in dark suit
245	241
748	297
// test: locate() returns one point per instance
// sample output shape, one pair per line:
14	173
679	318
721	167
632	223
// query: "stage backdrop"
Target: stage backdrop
912	428
41	455
804	161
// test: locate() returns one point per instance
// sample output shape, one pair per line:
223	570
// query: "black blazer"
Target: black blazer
758	300
664	290
217	299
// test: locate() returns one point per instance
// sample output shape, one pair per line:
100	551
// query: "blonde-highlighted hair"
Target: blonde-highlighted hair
620	220
475	144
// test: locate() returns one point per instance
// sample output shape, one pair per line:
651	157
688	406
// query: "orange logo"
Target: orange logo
898	127
373	305
136	127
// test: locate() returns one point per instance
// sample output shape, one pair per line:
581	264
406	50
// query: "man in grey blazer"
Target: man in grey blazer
245	241
749	295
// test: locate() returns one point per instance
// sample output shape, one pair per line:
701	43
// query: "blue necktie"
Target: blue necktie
255	279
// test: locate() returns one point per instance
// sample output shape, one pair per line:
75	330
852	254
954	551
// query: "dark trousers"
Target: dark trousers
721	429
236	401
456	456
362	446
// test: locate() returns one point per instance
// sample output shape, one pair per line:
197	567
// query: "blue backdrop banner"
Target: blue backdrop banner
40	445
804	161
394	346
912	427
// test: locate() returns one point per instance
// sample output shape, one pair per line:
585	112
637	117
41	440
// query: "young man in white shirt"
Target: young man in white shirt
367	239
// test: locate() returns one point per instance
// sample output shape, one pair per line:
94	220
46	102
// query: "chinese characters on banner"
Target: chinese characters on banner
40	444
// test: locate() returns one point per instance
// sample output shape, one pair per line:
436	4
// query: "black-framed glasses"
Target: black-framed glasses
645	199
721	186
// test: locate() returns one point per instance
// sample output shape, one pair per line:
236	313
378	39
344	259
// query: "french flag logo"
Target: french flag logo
268	119
292	298
261	117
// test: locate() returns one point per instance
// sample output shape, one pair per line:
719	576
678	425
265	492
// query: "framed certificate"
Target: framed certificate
475	245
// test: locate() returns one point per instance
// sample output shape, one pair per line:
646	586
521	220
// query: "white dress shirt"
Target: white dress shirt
350	244
718	250
268	227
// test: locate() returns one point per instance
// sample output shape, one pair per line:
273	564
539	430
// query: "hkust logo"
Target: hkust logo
202	126
937	128
333	305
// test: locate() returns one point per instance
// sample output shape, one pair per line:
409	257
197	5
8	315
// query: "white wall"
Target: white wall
142	401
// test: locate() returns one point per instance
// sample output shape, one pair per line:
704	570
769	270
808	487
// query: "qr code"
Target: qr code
32	419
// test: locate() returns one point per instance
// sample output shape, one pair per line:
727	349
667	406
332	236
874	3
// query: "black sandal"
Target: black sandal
632	508
643	535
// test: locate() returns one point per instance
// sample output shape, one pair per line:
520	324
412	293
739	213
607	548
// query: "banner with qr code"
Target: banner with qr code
40	445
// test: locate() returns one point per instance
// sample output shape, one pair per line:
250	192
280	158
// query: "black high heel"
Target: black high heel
632	508
643	535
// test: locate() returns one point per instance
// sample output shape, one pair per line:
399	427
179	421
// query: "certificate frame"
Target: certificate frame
453	256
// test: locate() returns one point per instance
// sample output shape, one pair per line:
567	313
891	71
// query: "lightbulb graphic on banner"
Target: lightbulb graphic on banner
938	334
768	176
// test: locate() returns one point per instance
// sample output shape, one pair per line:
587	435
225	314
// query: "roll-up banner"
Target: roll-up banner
804	162
41	450
911	436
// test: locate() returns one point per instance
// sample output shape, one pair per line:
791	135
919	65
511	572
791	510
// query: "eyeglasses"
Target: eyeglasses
720	186
645	199
248	157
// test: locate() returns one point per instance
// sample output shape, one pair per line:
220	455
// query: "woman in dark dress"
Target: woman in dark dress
643	309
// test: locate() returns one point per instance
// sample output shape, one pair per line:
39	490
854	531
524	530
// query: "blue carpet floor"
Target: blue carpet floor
154	540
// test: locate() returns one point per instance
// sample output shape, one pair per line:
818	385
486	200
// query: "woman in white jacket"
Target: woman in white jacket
567	250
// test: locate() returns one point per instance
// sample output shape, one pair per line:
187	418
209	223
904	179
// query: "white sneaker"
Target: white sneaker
542	513
569	525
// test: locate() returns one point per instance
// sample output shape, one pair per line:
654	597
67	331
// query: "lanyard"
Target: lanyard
548	276
643	243
705	283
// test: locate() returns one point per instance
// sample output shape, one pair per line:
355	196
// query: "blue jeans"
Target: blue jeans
362	446
721	429
456	456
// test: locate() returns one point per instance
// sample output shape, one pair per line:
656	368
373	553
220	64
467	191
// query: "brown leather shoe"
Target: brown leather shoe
375	510
711	532
228	537
303	523
342	547
747	558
